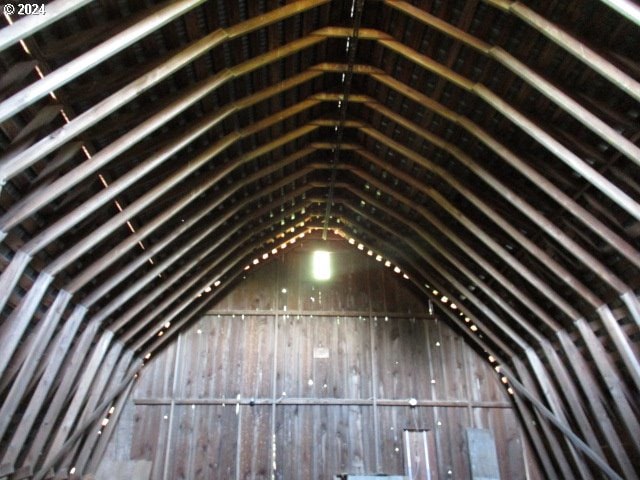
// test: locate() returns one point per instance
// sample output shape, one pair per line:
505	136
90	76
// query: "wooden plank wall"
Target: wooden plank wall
240	394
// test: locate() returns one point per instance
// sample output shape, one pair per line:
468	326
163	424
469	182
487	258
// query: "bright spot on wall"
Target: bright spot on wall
321	265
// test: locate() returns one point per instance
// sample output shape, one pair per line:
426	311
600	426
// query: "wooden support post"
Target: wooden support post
18	321
45	330
557	451
11	275
66	387
623	345
82	428
590	388
104	386
619	393
97	454
553	400
633	306
66	426
573	404
45	385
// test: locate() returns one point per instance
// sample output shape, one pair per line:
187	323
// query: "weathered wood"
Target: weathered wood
556	451
45	330
596	403
625	8
460	243
523	409
184	226
633	305
512	197
129	293
384	402
17	322
583	447
140	132
202	272
89	373
616	387
214	342
562	153
104	387
421	463
461	290
98	453
552	399
545	87
30	24
148	198
93	57
16	73
81	428
11	275
588	219
135	88
577	48
573	407
43	389
61	397
540	448
622	343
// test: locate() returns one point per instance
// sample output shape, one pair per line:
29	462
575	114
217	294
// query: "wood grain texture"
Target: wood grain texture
292	395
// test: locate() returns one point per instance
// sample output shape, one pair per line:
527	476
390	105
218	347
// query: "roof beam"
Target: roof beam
30	24
573	45
146	81
553	93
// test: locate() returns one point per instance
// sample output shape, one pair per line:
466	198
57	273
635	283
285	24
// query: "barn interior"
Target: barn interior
170	170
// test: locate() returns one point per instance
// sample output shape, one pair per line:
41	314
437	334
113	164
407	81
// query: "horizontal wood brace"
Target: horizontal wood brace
344	314
383	402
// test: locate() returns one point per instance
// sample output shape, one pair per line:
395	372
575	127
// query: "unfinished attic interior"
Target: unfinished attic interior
168	171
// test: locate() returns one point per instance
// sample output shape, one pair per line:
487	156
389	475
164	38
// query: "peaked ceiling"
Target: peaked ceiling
151	152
